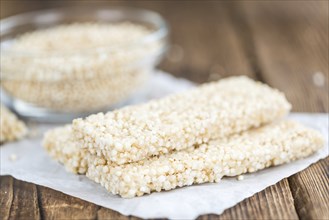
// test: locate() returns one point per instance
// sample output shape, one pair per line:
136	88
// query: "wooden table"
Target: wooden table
284	44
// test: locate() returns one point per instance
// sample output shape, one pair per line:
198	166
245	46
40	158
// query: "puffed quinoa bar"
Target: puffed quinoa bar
180	121
11	128
60	145
250	151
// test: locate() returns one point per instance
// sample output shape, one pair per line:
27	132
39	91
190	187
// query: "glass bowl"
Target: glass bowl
59	85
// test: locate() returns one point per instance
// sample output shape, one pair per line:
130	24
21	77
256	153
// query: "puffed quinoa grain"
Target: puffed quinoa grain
250	151
180	121
11	128
79	67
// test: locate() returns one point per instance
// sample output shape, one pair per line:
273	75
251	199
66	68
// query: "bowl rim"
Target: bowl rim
161	27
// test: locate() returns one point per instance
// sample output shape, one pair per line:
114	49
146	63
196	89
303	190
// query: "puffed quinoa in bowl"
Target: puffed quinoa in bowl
66	63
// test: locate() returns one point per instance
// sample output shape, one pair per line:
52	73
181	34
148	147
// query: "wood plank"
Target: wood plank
275	202
6	196
310	189
204	36
19	199
104	214
291	47
9	8
57	205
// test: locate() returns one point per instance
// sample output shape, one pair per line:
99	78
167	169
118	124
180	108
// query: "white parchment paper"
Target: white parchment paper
32	164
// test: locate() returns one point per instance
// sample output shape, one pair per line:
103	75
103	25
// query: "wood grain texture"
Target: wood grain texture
19	199
310	189
104	214
6	196
204	26
291	62
275	202
284	44
291	48
60	206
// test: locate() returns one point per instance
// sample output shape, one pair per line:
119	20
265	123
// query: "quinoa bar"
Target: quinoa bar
250	151
211	111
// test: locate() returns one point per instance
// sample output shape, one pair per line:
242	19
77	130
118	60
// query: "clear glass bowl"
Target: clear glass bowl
62	85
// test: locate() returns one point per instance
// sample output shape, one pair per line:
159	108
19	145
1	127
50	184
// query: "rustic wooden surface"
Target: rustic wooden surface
284	44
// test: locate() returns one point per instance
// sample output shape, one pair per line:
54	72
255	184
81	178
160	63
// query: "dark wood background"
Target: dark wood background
282	43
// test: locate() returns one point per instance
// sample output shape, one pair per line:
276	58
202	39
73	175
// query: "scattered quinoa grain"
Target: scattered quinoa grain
13	157
319	79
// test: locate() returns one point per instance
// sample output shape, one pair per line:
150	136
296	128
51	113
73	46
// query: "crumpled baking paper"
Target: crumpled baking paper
26	160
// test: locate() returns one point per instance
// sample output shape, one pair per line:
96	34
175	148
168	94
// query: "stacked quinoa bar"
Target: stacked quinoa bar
224	128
